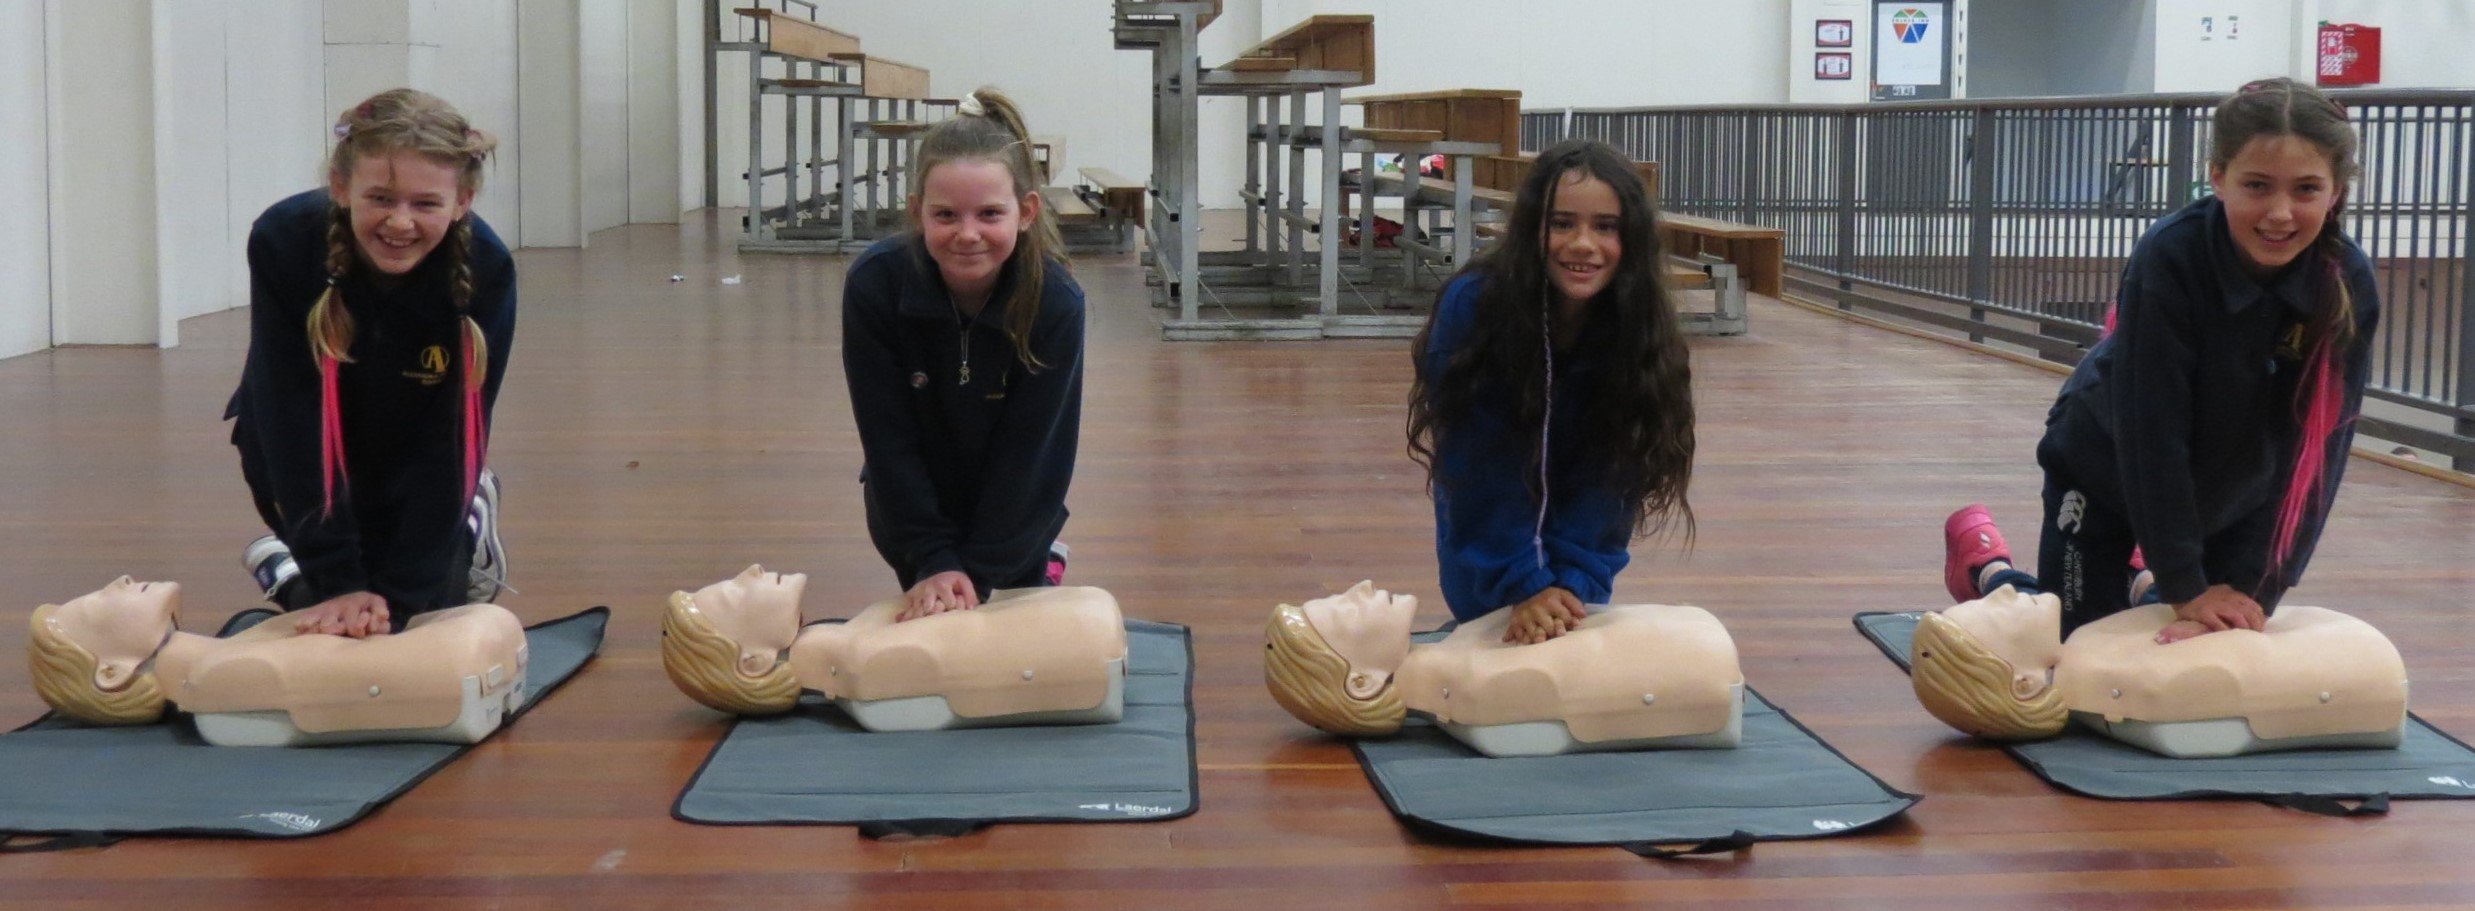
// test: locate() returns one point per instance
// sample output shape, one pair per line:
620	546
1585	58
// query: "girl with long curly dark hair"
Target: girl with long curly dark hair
1553	405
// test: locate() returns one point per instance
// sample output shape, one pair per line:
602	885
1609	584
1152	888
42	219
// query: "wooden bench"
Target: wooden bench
882	78
1330	43
1458	115
790	36
1760	252
1512	169
1068	208
1121	197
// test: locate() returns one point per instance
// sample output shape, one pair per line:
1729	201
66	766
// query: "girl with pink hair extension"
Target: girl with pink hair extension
363	413
2210	424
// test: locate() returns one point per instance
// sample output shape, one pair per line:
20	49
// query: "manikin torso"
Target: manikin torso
2313	678
450	676
1027	656
1631	677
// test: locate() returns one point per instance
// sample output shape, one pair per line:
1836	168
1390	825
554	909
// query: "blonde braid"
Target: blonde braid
330	326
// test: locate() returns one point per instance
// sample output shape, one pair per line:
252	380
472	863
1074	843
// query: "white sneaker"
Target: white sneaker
269	562
489	573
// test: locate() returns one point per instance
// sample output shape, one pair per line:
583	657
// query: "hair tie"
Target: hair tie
970	106
343	130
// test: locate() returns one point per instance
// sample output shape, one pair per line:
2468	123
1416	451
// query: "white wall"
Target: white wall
602	91
655	185
475	70
25	209
100	70
238	125
550	175
2215	45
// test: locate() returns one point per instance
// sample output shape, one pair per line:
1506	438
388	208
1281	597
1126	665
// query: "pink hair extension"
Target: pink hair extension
476	431
2110	311
330	430
2319	403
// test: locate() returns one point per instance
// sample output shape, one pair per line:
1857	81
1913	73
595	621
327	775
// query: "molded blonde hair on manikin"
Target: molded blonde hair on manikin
1308	678
704	664
1970	688
64	675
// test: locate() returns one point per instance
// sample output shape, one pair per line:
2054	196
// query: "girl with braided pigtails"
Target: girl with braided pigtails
381	311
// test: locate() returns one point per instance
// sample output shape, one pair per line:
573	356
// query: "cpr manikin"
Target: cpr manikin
1637	676
115	657
1026	656
1997	667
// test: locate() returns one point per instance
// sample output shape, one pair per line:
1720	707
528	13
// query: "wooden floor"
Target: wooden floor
658	435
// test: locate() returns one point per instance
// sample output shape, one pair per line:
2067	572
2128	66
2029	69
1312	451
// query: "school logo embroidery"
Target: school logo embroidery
2067	519
2290	348
433	361
919	380
1909	25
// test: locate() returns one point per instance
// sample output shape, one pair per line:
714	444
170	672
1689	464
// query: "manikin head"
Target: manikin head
90	658
1986	666
726	645
1331	661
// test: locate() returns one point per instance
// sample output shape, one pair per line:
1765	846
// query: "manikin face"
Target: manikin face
1369	628
402	205
971	219
2278	191
1584	236
122	625
757	609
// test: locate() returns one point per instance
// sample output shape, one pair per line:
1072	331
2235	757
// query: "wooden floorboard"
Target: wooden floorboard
658	435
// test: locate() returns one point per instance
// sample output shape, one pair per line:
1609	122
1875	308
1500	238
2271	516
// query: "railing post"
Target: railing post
2465	305
2180	151
1845	262
1749	177
1980	214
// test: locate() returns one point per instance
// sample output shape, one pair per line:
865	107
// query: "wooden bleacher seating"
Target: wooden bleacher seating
791	36
1335	43
1121	197
882	78
1068	208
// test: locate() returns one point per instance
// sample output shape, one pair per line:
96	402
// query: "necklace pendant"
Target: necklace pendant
965	378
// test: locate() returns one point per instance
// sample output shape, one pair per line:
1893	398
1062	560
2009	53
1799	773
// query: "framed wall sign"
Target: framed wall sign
1834	33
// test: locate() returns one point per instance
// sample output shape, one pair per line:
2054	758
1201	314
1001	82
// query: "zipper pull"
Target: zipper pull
964	339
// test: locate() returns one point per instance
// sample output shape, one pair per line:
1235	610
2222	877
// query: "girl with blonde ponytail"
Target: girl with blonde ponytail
962	343
381	309
2211	424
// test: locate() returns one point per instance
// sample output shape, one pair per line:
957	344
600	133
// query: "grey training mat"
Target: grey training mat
1782	782
812	765
89	785
2429	765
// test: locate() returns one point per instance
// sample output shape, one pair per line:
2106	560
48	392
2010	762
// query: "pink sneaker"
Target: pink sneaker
1057	563
1969	540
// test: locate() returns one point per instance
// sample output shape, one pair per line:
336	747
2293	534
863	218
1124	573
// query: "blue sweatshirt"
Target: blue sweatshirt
1485	516
2184	418
968	452
397	524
